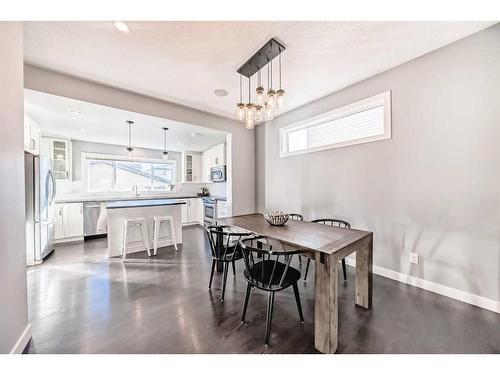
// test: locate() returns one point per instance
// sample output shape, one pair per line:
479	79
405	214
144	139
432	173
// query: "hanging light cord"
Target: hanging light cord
271	74
241	95
280	68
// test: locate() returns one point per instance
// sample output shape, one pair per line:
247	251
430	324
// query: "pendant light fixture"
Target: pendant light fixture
271	94
250	109
240	107
130	150
280	93
265	105
165	152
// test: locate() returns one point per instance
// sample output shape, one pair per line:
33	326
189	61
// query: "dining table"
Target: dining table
326	245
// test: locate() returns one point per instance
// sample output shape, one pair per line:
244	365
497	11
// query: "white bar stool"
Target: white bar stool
137	222
157	221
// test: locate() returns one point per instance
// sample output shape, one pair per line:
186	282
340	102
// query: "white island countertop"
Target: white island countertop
144	203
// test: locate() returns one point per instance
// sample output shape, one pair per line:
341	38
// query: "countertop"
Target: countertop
78	199
144	203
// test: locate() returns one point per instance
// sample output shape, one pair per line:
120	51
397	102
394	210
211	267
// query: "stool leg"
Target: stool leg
172	231
156	229
124	245
144	233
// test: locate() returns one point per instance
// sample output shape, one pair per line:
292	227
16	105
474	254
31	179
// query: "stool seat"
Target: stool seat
157	221
135	222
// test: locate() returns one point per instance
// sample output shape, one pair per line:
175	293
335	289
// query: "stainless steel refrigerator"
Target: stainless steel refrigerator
40	186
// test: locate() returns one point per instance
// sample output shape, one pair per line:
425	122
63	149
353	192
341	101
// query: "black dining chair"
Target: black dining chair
333	222
271	272
298	217
225	248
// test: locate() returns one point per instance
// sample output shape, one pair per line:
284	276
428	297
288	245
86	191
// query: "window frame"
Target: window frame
110	157
383	99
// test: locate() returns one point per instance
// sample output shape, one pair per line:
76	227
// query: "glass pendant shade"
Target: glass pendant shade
250	116
280	97
259	116
271	99
269	113
261	97
240	112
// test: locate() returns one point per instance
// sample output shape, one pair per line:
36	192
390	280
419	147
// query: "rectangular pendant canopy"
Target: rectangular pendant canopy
260	59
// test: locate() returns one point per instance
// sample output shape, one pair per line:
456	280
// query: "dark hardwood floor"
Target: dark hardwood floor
82	302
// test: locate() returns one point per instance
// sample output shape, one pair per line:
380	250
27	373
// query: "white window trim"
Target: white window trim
88	155
359	106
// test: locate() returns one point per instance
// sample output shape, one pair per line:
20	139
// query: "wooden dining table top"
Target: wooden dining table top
306	235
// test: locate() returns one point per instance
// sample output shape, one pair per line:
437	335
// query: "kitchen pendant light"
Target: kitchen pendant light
130	150
165	152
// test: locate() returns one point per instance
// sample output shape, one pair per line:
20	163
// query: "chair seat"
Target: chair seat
261	279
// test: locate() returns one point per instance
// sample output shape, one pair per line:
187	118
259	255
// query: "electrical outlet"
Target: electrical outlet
414	258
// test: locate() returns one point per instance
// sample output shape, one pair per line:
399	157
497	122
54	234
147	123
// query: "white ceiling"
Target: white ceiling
184	62
102	124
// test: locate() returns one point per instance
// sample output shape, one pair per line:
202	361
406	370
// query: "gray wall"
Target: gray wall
102	148
241	189
433	188
13	294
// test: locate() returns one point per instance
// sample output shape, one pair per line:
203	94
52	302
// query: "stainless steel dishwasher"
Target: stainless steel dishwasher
94	219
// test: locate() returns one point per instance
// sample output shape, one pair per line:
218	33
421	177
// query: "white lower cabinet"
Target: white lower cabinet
69	221
59	226
192	211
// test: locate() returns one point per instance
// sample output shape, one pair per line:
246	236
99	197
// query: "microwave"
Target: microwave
218	174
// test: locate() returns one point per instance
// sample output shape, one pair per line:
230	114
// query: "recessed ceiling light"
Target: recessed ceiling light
220	92
122	26
75	112
193	134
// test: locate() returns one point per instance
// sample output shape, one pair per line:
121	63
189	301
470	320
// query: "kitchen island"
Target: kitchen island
118	211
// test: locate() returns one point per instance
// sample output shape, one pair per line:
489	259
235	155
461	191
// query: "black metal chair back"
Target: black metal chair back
224	243
333	222
267	263
296	217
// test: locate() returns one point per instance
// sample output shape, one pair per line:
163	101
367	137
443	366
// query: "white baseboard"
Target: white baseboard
431	286
22	341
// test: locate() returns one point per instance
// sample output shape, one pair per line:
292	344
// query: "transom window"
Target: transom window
365	121
106	174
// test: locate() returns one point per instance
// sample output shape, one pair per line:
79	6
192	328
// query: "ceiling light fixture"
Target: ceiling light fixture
130	150
266	105
165	152
193	134
122	26
75	112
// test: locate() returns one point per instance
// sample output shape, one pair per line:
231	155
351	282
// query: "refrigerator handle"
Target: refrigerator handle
51	174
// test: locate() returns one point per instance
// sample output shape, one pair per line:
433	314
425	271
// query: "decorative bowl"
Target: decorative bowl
276	218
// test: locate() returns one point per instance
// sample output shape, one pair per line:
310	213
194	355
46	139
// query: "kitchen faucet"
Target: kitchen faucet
134	190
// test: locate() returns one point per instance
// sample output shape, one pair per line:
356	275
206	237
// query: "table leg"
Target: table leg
364	274
326	303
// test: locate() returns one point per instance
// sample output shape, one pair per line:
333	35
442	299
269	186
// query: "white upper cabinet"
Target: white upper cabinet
192	167
58	150
214	156
219	155
32	136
